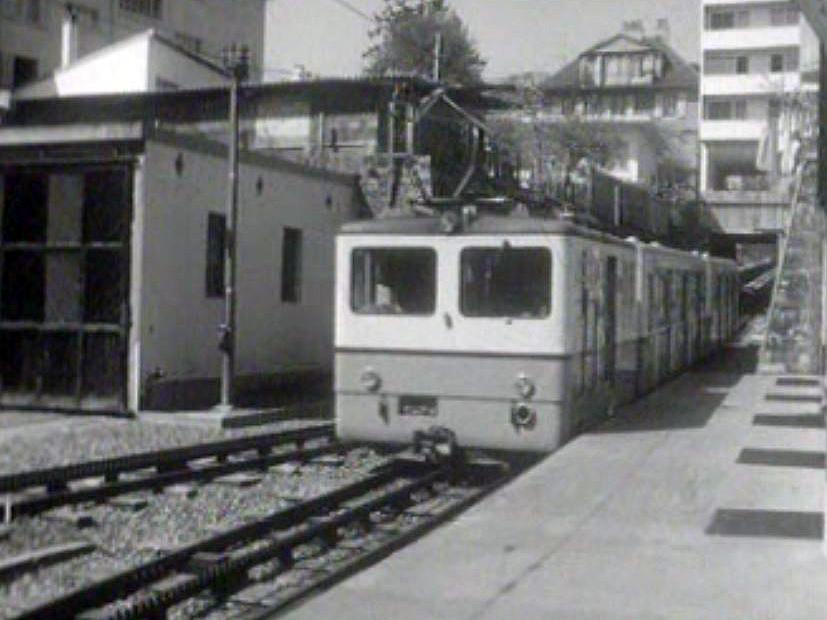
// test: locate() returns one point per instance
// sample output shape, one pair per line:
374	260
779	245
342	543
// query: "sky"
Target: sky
515	36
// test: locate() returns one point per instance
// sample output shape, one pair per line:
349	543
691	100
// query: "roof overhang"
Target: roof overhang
73	133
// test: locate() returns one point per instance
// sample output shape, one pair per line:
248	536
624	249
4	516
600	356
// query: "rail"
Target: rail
220	562
171	466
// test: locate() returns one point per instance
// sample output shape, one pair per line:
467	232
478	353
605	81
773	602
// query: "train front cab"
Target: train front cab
464	332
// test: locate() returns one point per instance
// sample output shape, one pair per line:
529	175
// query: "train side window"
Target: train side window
665	301
398	281
505	282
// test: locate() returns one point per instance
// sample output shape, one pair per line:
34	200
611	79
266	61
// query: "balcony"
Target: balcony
751	38
729	130
749	212
751	83
731	2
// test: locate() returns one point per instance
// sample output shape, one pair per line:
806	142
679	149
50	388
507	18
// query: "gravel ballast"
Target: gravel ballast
125	538
77	441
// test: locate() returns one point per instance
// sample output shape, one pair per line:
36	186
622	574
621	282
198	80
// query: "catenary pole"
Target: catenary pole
236	61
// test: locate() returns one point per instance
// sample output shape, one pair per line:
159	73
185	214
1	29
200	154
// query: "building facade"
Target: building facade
33	42
112	233
757	58
645	92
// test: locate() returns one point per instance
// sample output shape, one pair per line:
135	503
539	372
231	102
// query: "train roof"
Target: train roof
481	225
487	224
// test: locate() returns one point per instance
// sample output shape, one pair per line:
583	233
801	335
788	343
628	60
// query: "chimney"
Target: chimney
662	30
69	36
634	28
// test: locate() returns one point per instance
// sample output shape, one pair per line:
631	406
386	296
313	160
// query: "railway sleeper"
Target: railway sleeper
136	580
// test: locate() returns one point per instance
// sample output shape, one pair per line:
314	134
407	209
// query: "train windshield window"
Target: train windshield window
393	281
506	282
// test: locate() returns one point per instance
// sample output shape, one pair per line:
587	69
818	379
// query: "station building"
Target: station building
112	221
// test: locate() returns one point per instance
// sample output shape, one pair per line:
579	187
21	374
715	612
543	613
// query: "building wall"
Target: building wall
738	81
141	63
178	322
205	26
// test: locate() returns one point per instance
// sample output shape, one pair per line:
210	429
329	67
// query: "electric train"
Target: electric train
514	333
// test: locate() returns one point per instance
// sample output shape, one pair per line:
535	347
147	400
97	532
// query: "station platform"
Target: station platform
701	501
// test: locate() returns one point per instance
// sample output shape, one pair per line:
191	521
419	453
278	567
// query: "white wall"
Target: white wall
133	65
215	22
177	321
176	68
122	68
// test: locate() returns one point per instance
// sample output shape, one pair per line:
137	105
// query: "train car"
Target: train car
512	332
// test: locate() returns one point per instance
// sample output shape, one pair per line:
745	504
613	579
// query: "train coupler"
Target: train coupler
438	445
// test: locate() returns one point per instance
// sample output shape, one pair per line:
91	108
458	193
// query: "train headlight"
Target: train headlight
523	416
370	380
525	387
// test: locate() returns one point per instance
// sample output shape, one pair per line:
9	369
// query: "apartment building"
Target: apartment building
756	56
33	40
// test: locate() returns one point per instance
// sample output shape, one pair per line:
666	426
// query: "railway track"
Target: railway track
346	520
31	492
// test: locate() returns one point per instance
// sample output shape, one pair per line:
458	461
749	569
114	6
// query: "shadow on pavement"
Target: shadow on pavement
767	523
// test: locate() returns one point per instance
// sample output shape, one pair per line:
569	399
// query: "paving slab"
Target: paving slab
650	516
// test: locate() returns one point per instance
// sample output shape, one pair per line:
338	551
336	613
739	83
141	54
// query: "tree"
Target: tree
553	147
404	41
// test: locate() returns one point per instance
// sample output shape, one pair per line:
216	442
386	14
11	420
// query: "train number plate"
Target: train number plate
418	405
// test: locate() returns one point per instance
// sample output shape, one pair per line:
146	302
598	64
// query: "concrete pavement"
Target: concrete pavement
686	506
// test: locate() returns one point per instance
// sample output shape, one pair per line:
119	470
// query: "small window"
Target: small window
742	18
505	282
24	70
791	59
784	16
777	63
721	20
644	102
291	265
670	104
148	8
741	110
742	65
718	110
617	105
29	11
216	229
393	281
33	11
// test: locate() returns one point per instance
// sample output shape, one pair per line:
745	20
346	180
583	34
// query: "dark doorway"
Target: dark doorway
64	264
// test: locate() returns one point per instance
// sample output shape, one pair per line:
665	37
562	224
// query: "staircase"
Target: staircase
792	342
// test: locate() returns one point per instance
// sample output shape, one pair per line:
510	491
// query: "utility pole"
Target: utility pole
437	54
237	63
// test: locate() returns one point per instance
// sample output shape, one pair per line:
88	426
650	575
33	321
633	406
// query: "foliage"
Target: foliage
403	42
561	143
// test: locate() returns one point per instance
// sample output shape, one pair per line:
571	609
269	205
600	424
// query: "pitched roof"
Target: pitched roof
680	73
